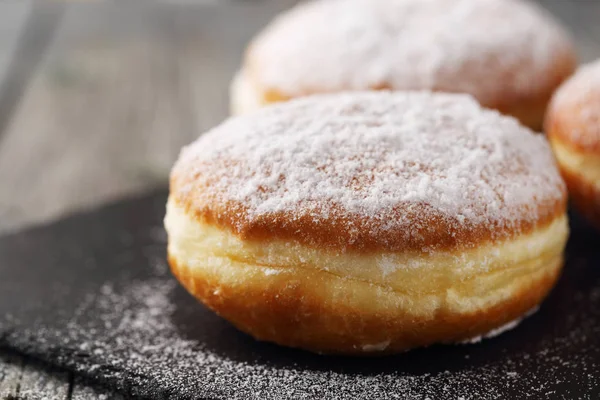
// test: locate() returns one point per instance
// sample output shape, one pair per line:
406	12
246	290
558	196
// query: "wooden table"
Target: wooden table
98	98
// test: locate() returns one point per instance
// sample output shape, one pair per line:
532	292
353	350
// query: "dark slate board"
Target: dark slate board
92	293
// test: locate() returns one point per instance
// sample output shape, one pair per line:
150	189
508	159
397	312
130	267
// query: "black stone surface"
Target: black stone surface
92	293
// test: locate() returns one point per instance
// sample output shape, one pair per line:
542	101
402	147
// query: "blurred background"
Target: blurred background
97	98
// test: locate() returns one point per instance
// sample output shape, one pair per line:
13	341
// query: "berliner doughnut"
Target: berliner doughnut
509	54
368	222
573	127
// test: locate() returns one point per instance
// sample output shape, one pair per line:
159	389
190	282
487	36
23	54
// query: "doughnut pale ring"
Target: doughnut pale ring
573	126
368	221
509	54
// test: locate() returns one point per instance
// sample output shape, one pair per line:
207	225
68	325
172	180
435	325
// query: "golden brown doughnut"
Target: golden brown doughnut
573	127
509	54
368	221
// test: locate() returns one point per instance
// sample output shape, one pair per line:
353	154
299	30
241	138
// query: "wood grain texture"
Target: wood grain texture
34	34
12	16
122	90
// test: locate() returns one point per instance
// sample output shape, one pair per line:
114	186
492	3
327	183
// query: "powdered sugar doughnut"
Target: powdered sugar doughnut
509	54
368	221
573	126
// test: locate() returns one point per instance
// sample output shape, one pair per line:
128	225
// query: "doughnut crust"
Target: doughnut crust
363	223
573	127
460	46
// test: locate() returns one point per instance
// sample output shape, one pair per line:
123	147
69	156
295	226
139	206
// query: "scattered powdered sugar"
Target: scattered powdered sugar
579	101
388	265
142	333
483	47
137	343
394	160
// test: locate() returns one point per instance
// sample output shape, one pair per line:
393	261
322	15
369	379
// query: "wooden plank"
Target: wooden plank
123	89
90	125
18	53
11	369
12	17
34	35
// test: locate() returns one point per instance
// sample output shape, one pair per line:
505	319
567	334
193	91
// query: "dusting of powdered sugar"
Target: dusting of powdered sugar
578	101
394	160
482	47
141	332
145	345
270	271
136	344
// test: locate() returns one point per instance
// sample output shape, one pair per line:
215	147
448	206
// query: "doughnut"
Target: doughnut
368	222
573	128
510	55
